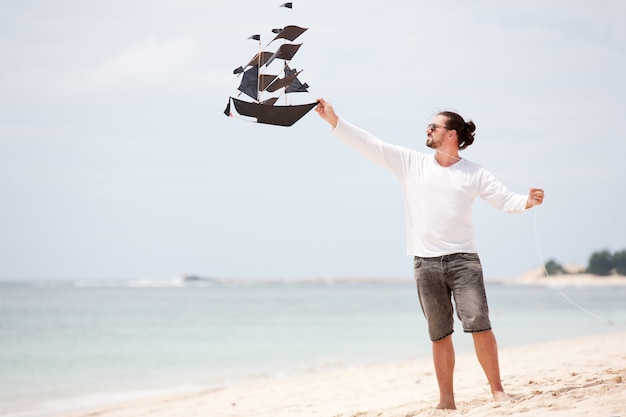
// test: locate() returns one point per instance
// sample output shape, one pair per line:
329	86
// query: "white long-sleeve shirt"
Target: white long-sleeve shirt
437	200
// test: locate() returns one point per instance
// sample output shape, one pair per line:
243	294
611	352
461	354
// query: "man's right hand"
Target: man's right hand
326	112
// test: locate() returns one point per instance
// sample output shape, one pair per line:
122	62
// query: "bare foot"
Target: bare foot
446	405
501	397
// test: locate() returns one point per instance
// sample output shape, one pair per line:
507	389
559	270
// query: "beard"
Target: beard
432	143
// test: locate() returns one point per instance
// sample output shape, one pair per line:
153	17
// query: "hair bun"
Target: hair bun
470	126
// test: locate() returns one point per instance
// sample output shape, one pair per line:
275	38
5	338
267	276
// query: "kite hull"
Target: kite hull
272	115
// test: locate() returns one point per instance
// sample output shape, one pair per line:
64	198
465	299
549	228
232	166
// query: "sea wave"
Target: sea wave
185	281
110	283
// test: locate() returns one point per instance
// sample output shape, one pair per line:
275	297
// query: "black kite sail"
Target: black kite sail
256	83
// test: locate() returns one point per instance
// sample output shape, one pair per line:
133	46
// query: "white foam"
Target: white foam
98	400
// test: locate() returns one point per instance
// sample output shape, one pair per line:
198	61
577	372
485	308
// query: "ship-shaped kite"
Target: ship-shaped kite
256	83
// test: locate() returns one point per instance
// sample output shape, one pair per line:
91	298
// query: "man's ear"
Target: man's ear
455	134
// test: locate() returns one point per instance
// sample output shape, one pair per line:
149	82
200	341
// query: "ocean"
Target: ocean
66	345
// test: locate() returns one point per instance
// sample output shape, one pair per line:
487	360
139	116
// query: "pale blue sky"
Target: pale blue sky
117	162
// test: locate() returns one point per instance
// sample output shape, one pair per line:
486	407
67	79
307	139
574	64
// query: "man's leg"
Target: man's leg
487	353
435	299
443	356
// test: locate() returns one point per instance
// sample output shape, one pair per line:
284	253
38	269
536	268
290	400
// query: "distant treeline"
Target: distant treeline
600	263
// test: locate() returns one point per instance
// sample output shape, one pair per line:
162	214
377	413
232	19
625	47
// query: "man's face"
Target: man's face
436	132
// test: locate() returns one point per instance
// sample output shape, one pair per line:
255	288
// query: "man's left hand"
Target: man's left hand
535	197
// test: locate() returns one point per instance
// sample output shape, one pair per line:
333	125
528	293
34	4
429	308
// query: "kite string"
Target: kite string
554	284
545	270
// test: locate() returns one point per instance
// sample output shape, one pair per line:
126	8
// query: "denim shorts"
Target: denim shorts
458	276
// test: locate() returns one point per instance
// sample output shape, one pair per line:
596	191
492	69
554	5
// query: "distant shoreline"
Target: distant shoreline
574	276
537	276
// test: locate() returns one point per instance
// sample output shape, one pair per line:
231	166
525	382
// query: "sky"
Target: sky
116	160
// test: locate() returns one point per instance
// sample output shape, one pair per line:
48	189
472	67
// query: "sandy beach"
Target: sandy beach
577	377
575	277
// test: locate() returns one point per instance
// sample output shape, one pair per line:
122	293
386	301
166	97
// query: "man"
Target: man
439	191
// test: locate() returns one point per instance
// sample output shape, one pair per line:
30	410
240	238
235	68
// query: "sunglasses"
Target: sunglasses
433	126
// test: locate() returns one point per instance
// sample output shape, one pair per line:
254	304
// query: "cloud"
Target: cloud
149	63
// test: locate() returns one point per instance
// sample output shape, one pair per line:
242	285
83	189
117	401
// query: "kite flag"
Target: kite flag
265	88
